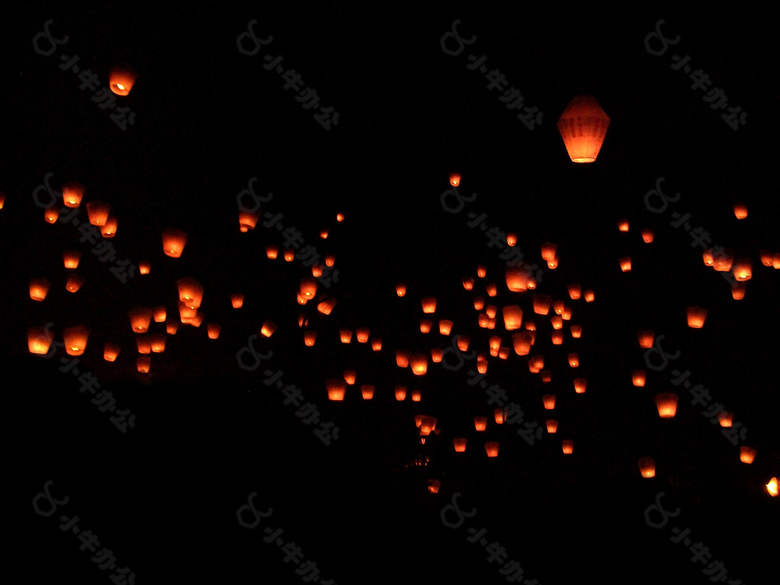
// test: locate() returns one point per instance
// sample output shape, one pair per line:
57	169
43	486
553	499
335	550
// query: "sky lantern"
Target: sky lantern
143	363
434	485
336	389
402	357
625	264
545	375
301	300
436	355
513	317
121	80
511	239
330	259
247	220
666	404
623	225
541	303
738	291
771	487
463	342
324	234
74	282
316	270
479	303
400	393
766	257
309	337
454	179
583	126
109	230
552	264
725	419
566	315
646	337
556	321
580	384
339	217
468	282
158	342
557	337
481	271
349	376
522	342
186	314
362	334
549	401
416	396
400	289
171	327
345	335
742	269
445	326
268	328
289	255
492	448
159	314
568	446
174	240
429	304
490	311
638	377
776	260
72	194
574	360
490	289
552	426
747	454
575	291
480	423
589	296
110	351
38	340
213	330
197	319
740	210
503	353
576	331
76	339
548	251
308	287
460	444
516	279
696	317
367	390
190	292
272	251
723	262
98	212
425	325
144	343
53	213
376	344
647	235
482	363
419	363
647	467
237	300
39	288
144	267
427	425
2	199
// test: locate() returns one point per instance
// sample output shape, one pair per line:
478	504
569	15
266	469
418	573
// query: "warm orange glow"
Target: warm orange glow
186	314
481	364
738	291
247	220
552	426
725	419
556	321
367	391
429	304
491	290
623	225
771	487
336	389
419	363
38	340
174	240
268	328
481	271
541	304
172	327
647	235
72	194
625	264
339	217
434	485
437	355
237	300
747	454
740	210
575	291
325	307
666	404
549	401
567	444
330	259
479	303
324	234
400	393
492	448
76	339
316	270
511	239
742	269
190	292
71	258
2	199
121	81
109	230
158	342
308	287
723	262
454	179
400	289
144	343
647	467
589	296
39	288
74	282
51	215
776	260
490	311
480	423
459	444
445	326
646	338
213	330
548	251
416	396
271	251
522	342
140	317
159	314
402	358
566	315
557	337
425	325
696	317
766	257
574	360
513	317
503	353
309	337
349	376
98	212
143	363
583	127
468	282
576	331
289	255
362	334
463	342
516	279
144	267
376	344
638	377
580	384
110	351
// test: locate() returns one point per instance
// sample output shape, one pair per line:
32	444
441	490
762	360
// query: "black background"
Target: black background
164	495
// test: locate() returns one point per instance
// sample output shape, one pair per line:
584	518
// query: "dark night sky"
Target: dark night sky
164	495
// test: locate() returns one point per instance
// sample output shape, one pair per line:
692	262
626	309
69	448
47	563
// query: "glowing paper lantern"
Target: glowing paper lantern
583	126
400	289
747	454
463	342
71	258
174	240
766	257
76	339
522	342
324	234
580	384
479	303
247	220
271	251
144	267
190	292
349	376
552	426
576	331
419	363
696	317
549	401
568	446
723	262
589	296
51	215
237	300
309	337
39	288
144	344
556	322
400	393
468	282
541	304
38	340
574	360
268	328
72	194
2	199
98	212
623	225
109	230
511	239
158	342
742	269
143	363
437	355
480	423
429	304
725	419
454	179
330	259
345	335
740	210
625	264
548	251
402	358
575	291
647	467
666	404
646	337
110	351
121	80
647	235
213	330
771	487
376	344
434	485
481	271
459	444
445	326
336	389
416	396
492	448
172	327
425	325
289	255
74	282
513	317
159	314
638	377
738	291
516	279
557	337
367	391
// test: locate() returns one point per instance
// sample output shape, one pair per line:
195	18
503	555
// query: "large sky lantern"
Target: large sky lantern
140	317
638	378
186	314
121	80
696	317
336	389
159	314
428	304
39	288
583	126
480	423
158	342
556	321
459	443
247	220
53	213
516	279
513	317
174	240
647	467
492	448
109	230
98	212
72	194
110	351
666	404
646	338
367	391
74	282
742	269
724	261
38	340
190	292
76	339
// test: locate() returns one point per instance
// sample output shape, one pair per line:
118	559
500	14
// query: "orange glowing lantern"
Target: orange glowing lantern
724	261
39	288
516	279
647	467
400	289
109	230
362	334
316	270
490	311
696	317
339	217
309	337
589	296
549	401
237	300
324	234
345	335
158	342
742	269
481	271
429	304
140	317
747	454
454	179
623	225
771	487
336	389
121	80
330	259
556	322
766	257
76	339
2	199
575	291
400	393
289	255
144	343
434	485
492	448
548	251
71	258
144	267
159	314
740	210
445	326
367	391
425	325
625	264
268	328
583	126
463	342
110	351
511	239
459	444
638	377
437	355
326	307
576	331
74	282
213	330
271	251
402	358
51	215
247	220
308	287
480	423
646	338
172	327
98	212
479	303
666	404
557	337
187	314
376	344
513	317
190	292
143	363
738	291
349	376
647	235
416	396
174	240
38	340
552	426
468	282
725	419
419	363
541	304
580	384
568	446
522	342
72	194
574	360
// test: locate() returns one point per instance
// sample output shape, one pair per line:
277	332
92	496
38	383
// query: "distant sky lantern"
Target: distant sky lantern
429	304
574	360
140	317
143	363
454	179
289	255
72	194
237	300
301	300
158	342
76	339
566	315
71	258
190	292
339	217
558	307
666	404
723	262
425	325
51	215
490	289
419	363
121	80
503	353
583	126
576	331
766	257
541	303
38	340
2	199
463	342
400	289
738	291
400	393
144	343
171	327
479	303
174	240
416	396
696	317
39	288
110	351
213	330
436	355
491	311
186	314
144	267
367	391
647	235
468	282
324	234
742	269
459	444
725	419
589	296
740	210
495	344
349	376
747	454
548	251
159	313
109	230
625	264
445	326
522	342
552	264
271	251
549	401
568	446
580	384
557	337
268	328
552	426
376	344
556	321
316	270
492	448
336	389
330	259
511	239
480	423
575	291
98	212
513	317
647	467
623	225
638	378
771	487
434	485
362	334
708	258
482	363
308	287
516	279
481	271
247	220
309	337
402	358
646	337
74	282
